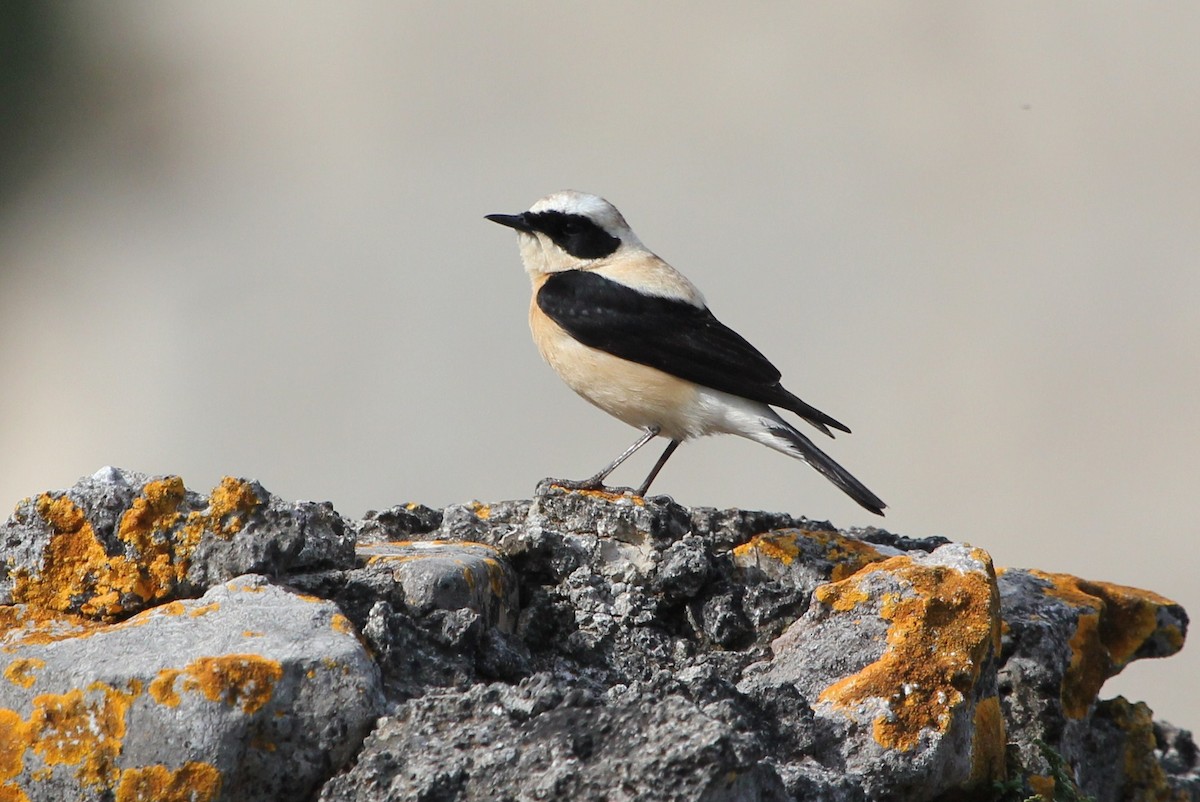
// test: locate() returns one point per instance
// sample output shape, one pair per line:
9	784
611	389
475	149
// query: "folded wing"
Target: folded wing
669	334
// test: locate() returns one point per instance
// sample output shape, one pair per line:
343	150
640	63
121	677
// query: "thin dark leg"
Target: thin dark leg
597	482
666	455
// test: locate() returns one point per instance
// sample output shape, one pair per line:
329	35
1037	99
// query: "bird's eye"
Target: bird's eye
571	227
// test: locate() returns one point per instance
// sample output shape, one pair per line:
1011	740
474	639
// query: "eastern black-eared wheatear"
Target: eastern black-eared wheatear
631	335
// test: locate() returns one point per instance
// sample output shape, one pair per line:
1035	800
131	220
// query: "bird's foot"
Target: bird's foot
590	485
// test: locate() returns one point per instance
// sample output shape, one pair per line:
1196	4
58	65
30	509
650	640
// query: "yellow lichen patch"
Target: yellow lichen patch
939	637
11	617
12	793
1114	623
204	609
228	505
605	495
20	671
779	547
74	562
171	608
251	633
1128	616
28	625
247	680
988	741
14	739
81	728
191	782
146	528
482	511
77	571
162	687
847	554
841	596
1088	667
341	623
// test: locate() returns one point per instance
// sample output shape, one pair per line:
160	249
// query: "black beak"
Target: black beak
516	221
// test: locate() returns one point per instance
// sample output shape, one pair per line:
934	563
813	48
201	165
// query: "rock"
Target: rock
899	660
250	692
533	741
119	542
576	644
1063	637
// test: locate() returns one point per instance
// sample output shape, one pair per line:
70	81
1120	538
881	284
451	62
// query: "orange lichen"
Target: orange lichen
1114	622
941	633
14	739
482	511
341	623
78	573
848	555
81	728
27	625
191	782
75	564
604	495
247	680
841	596
988	741
1087	670
12	793
204	609
228	505
20	671
162	687
146	529
781	547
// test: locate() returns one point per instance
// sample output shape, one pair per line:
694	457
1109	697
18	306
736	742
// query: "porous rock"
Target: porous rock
904	650
250	692
119	542
597	645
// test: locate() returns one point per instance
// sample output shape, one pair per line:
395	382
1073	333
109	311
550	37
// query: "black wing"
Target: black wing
669	334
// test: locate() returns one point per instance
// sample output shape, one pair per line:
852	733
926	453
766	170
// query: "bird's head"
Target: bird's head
569	231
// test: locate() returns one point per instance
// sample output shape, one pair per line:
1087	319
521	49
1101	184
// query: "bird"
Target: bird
633	336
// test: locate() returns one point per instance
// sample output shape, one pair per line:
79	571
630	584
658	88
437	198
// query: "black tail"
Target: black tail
810	413
803	448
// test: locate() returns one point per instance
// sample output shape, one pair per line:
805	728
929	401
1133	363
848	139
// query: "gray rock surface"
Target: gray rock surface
576	645
252	692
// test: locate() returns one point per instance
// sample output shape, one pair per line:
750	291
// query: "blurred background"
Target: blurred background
248	239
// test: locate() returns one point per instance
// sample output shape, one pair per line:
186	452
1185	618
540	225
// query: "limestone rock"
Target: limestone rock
576	644
1063	637
119	542
899	660
535	741
250	692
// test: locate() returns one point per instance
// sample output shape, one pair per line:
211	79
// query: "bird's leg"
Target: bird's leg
597	482
666	455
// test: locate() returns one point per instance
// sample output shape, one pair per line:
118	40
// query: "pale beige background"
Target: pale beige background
970	231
